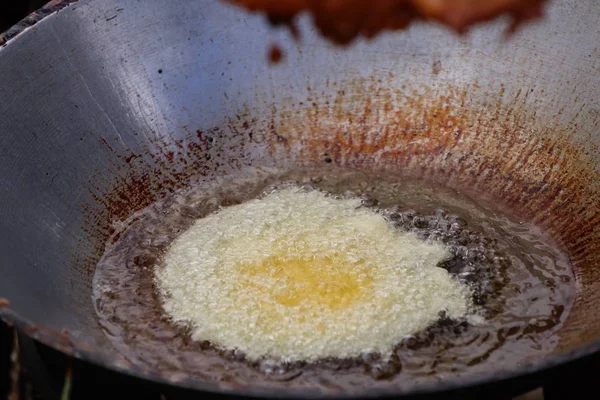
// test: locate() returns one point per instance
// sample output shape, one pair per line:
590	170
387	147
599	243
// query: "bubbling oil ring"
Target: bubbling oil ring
523	283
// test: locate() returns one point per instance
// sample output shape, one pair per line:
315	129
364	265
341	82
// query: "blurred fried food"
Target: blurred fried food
344	20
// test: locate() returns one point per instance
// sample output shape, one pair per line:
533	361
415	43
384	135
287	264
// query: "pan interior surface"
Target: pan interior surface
113	109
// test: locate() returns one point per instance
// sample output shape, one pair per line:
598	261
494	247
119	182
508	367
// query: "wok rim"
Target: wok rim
50	8
56	341
53	340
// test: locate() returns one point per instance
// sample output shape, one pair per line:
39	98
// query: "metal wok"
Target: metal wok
108	105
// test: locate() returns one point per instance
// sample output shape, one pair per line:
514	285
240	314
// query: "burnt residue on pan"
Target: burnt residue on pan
499	151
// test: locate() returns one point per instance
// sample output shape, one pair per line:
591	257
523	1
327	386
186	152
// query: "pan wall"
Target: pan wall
108	105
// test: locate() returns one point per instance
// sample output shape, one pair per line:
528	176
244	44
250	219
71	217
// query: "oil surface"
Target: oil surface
522	284
299	275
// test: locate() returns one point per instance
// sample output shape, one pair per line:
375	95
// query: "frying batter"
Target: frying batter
298	275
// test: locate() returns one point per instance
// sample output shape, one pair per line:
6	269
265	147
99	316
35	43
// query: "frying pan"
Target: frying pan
109	105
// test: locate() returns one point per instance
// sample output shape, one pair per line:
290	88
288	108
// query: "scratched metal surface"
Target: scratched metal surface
106	105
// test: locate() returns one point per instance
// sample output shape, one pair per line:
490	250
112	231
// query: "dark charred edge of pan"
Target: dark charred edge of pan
62	343
33	18
58	340
532	370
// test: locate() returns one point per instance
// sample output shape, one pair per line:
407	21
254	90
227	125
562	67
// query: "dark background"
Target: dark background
12	11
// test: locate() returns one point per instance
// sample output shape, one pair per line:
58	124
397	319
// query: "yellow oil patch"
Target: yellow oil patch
310	282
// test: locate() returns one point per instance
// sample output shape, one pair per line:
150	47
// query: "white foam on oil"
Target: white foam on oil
299	275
